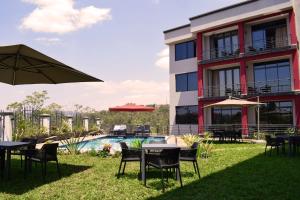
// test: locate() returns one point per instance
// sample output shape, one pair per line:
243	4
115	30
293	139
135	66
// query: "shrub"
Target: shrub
136	143
73	144
206	146
93	152
189	139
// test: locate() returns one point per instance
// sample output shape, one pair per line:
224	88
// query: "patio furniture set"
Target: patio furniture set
26	148
280	141
165	157
227	135
124	130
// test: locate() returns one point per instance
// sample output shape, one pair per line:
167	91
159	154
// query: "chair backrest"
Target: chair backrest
195	145
268	139
123	145
147	128
169	156
50	150
32	142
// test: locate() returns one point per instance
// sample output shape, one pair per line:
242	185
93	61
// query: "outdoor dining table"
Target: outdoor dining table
155	147
8	147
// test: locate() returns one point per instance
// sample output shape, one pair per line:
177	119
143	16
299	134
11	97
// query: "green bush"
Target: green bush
189	139
136	143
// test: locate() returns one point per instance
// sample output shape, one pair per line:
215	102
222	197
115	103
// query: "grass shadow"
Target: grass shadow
260	177
19	185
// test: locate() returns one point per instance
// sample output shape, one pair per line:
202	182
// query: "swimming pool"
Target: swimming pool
97	144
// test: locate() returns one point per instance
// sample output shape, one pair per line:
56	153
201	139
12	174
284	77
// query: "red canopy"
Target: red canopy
132	108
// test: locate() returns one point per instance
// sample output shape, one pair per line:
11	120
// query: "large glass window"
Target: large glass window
272	77
269	35
186	114
186	82
224	44
226	82
226	115
185	50
280	112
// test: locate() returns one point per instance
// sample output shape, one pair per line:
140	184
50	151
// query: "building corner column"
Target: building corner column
241	34
245	129
243	67
297	111
199	48
293	32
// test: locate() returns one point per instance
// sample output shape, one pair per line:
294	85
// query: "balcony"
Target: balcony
267	45
223	53
222	91
269	87
254	89
256	46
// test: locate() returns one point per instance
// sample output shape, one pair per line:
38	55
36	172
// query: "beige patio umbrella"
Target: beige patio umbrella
20	64
232	101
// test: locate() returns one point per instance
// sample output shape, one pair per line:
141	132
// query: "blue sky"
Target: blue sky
118	41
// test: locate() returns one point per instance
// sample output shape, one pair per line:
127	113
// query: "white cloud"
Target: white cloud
132	87
48	41
163	59
95	95
60	16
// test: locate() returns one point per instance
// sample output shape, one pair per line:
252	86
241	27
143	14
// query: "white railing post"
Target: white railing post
45	122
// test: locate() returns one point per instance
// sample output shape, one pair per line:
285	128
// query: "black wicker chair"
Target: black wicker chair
47	153
129	155
165	160
22	151
274	142
190	155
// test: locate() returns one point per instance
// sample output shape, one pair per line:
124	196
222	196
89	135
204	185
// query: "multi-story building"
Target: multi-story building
248	50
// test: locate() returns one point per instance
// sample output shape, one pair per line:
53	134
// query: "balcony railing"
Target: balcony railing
253	88
254	47
222	91
267	45
269	87
221	53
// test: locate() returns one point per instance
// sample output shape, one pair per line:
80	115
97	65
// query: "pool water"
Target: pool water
97	144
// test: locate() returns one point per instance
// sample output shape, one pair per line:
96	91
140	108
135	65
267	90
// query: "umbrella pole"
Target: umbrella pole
258	117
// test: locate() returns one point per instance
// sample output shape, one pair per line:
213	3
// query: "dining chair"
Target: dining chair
165	160
47	153
129	155
190	155
23	150
275	142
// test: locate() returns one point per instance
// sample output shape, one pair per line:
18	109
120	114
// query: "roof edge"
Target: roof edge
177	28
222	9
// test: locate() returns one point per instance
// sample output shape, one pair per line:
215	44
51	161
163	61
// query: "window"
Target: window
280	112
224	44
272	77
186	114
226	82
226	115
186	82
185	50
269	35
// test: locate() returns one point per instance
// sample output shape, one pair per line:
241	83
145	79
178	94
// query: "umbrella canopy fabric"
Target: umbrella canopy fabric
234	102
132	108
20	64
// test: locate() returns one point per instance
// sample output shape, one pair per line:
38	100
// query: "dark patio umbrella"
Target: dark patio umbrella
20	64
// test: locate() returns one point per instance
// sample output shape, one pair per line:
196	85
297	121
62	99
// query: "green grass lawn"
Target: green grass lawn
235	171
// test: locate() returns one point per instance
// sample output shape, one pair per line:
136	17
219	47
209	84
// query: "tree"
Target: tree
16	106
36	101
53	107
